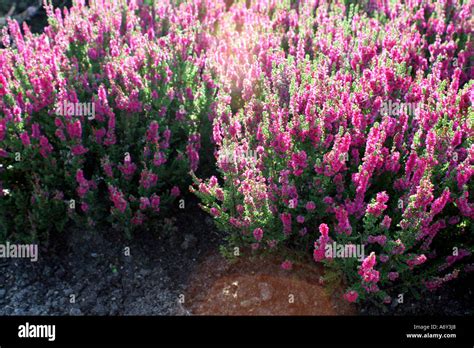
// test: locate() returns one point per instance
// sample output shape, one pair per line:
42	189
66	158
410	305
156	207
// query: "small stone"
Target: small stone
250	302
209	221
60	272
47	271
265	291
3	292
145	273
75	311
189	241
100	309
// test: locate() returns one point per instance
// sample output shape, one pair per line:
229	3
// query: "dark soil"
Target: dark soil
39	20
93	268
453	299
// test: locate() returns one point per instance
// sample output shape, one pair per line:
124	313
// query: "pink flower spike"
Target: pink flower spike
287	265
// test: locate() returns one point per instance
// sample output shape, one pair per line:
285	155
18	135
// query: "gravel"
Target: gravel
88	273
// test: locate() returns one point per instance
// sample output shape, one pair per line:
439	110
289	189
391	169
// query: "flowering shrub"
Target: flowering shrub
348	125
100	116
333	124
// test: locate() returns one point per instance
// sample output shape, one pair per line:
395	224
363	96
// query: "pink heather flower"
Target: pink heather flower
369	261
137	219
219	194
310	206
328	200
59	195
235	128
418	260
108	170
127	168
424	194
78	150
386	222
300	219
215	212
367	272
45	147
159	159
383	258
436	282
453	220
99	134
144	203
393	276
351	296
298	162
213	181
457	139
272	243
462	253
380	239
399	247
3	127
234	222
320	245
379	206
240	209
335	159
438	204
25	139
74	129
155	203
148	179
175	192
84	185
60	134
84	207
258	234
152	132
342	217
193	156
203	189
303	232
117	199
35	131
466	208
287	265
166	141
324	230
286	220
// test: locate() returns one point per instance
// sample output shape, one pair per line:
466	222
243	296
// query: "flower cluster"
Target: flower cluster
112	93
304	88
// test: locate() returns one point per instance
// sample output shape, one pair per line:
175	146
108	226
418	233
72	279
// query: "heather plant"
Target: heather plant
101	116
310	155
331	123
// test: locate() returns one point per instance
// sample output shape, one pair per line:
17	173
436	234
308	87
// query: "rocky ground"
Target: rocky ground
90	273
29	11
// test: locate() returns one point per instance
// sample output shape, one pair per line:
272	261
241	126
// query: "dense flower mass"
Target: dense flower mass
329	122
111	94
348	124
